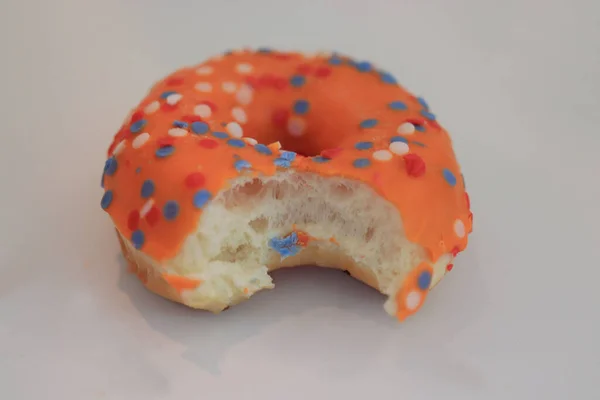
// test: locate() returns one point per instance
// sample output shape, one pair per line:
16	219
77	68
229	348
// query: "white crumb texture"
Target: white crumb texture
230	252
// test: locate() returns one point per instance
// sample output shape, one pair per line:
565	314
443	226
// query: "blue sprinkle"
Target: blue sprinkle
363	66
147	189
137	238
321	159
107	198
236	143
419	144
110	166
220	135
138	170
363	145
262	149
388	78
242	164
419	127
297	80
199	127
201	197
398	139
282	162
397	105
335	60
180	124
137	126
368	123
449	177
424	280
288	155
423	103
286	246
428	115
301	107
171	210
166	94
361	163
165	151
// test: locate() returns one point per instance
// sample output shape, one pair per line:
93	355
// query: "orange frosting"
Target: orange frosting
198	128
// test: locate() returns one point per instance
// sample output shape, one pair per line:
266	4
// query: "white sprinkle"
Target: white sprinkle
244	95
140	140
119	148
239	115
244	68
413	300
235	130
229	87
205	87
202	110
152	107
205	70
250	141
146	208
173	99
459	228
399	148
382	155
177	132
406	128
296	126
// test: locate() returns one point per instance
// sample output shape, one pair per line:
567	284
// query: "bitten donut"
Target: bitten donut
258	160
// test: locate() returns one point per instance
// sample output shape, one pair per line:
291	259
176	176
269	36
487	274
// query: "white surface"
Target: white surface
516	82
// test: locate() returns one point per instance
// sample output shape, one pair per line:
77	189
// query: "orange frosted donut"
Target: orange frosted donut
257	160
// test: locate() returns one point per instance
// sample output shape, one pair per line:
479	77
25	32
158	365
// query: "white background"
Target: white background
517	84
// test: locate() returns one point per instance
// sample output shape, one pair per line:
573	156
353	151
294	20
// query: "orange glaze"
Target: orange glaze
343	119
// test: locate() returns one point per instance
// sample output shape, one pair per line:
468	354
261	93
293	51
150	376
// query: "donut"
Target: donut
258	159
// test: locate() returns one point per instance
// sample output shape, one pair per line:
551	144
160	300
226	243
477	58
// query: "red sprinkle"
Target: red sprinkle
280	83
455	251
133	221
266	80
208	143
136	116
415	166
165	141
331	153
153	216
468	200
449	267
168	107
195	180
191	118
323	72
416	121
280	117
174	81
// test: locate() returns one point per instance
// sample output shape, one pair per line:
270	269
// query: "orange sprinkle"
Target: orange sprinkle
332	240
181	283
